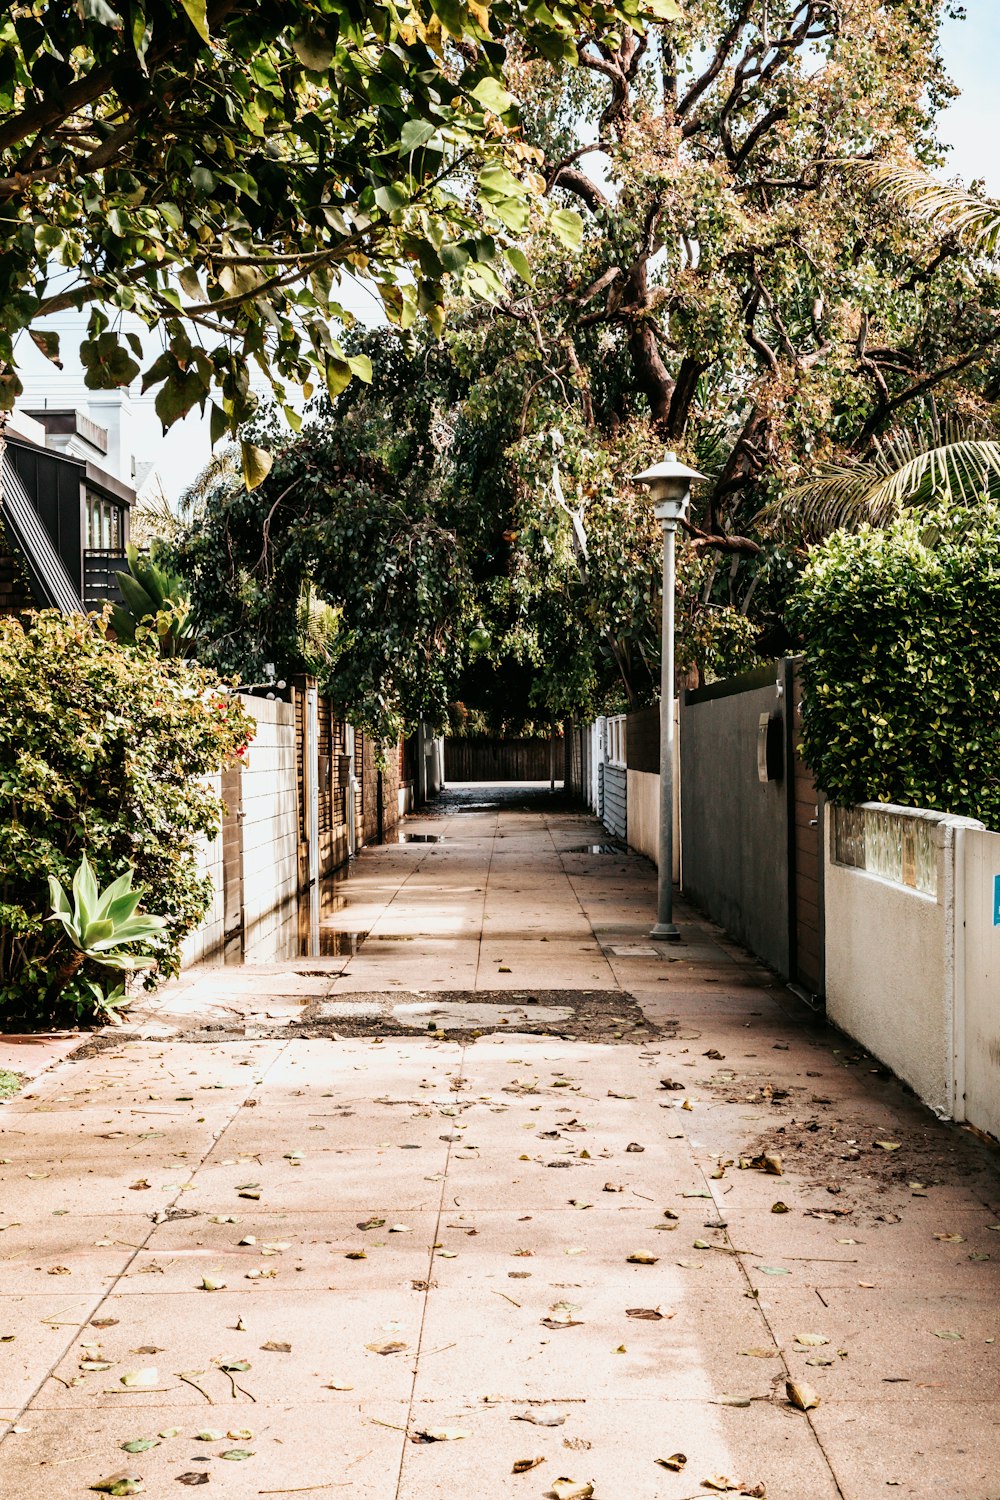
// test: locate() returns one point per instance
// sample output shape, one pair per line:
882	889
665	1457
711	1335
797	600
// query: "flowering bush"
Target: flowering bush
104	752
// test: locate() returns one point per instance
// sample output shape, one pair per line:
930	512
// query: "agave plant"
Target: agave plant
901	472
99	924
155	603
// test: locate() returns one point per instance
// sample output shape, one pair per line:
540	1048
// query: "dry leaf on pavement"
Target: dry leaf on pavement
568	1489
122	1484
801	1395
650	1314
437	1435
522	1465
642	1258
674	1463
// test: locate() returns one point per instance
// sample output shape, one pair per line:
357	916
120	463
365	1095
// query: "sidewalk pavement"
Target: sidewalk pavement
282	1247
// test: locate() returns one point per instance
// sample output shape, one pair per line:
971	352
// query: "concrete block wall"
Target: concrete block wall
270	820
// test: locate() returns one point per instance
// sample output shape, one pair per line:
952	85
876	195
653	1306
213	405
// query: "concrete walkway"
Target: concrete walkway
304	1250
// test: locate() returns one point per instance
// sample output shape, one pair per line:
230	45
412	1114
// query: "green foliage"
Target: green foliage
218	174
902	673
344	562
10	1083
155	605
103	754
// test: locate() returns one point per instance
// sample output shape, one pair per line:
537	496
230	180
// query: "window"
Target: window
104	524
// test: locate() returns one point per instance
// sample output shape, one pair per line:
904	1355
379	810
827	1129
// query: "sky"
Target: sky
970	127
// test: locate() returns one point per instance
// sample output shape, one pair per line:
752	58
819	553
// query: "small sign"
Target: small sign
996	901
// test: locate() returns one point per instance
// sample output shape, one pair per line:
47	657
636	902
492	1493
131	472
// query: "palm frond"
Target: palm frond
952	208
901	473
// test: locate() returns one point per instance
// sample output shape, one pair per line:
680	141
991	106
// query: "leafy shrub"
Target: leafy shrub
901	634
104	751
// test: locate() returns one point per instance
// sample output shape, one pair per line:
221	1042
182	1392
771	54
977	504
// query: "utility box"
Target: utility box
770	747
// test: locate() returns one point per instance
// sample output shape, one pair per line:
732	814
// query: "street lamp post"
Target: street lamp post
669	487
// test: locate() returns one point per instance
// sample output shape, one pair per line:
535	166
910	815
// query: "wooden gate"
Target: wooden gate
502	760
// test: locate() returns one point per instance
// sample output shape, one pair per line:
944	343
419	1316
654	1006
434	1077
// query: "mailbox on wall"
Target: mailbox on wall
770	747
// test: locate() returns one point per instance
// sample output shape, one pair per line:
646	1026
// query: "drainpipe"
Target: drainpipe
956	945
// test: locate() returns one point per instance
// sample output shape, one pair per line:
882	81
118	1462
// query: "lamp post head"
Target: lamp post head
669	486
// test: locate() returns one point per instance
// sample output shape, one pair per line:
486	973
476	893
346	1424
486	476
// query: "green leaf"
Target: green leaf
338	376
491	94
256	464
361	366
568	225
195	11
415	133
519	261
140	1445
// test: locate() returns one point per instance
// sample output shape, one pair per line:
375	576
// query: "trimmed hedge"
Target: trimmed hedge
901	634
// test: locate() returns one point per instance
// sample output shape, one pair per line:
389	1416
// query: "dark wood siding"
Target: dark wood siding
500	760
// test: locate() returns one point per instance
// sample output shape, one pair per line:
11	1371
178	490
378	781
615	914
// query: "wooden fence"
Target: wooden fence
502	760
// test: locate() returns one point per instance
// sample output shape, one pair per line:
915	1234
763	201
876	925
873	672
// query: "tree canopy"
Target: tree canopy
216	167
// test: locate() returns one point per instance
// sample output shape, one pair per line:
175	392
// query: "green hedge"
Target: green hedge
901	634
104	751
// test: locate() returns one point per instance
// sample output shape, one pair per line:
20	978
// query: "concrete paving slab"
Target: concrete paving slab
477	1148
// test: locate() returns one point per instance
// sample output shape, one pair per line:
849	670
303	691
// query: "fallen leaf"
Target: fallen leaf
714	1054
888	1145
237	1455
356	1255
948	1333
811	1340
568	1489
761	1353
119	1484
650	1314
821	1359
801	1395
731	1401
674	1463
372	1224
578	1203
139	1445
642	1258
951	1239
393	1348
691	1265
140	1378
717	1482
438	1435
540	1418
779	1207
522	1465
209	1284
634	1147
209	1435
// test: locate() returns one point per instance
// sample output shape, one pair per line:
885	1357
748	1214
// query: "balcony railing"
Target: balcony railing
100	584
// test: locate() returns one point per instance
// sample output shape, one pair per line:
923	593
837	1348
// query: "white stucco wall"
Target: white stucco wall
890	963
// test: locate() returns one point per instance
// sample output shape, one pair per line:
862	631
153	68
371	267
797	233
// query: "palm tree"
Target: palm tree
912	468
970	218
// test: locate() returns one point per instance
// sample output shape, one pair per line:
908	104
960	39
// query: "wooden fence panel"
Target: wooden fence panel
501	760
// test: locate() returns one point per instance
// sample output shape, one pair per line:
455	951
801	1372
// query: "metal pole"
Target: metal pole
665	928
